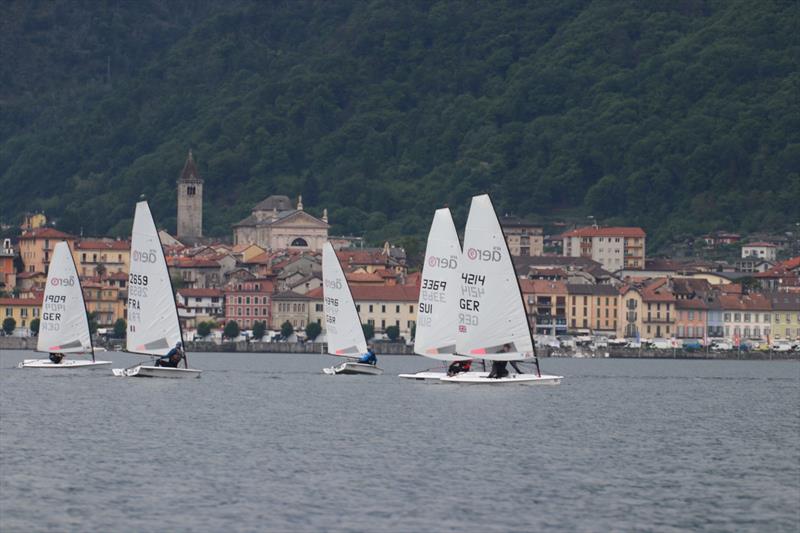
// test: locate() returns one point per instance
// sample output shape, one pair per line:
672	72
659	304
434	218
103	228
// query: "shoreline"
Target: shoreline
388	349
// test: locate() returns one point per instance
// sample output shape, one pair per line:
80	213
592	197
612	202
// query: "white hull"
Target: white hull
144	371
436	377
350	367
518	379
65	363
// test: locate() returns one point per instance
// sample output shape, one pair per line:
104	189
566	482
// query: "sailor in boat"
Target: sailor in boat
369	358
457	367
56	357
499	367
172	358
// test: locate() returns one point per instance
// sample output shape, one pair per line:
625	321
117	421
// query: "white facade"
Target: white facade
761	250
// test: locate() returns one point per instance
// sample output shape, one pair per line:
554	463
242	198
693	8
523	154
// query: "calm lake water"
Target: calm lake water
269	443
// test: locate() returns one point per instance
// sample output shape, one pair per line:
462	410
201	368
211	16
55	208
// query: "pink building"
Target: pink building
248	301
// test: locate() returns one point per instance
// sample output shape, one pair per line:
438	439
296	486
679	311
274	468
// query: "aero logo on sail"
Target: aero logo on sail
443	262
476	254
64	282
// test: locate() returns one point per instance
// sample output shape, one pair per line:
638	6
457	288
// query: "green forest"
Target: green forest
680	116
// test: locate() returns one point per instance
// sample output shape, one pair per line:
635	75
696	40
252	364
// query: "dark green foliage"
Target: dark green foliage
393	332
287	329
120	328
34	327
9	325
369	331
313	330
259	329
204	329
680	116
231	330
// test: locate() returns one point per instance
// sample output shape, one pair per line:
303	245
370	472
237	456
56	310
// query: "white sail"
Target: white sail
491	311
153	326
63	326
342	324
437	311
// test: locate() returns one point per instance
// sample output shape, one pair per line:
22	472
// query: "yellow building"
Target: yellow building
36	247
105	301
90	254
593	309
384	306
785	316
22	310
33	221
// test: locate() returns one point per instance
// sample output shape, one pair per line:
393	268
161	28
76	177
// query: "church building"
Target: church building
275	225
190	202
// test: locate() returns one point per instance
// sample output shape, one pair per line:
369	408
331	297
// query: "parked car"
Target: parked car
721	345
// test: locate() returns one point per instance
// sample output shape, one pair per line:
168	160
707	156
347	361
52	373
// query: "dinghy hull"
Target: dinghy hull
66	363
350	367
436	377
480	378
145	371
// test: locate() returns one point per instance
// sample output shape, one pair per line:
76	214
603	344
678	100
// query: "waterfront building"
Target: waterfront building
546	305
785	314
691	320
593	309
36	247
290	307
22	310
746	316
104	300
275	225
648	310
96	257
248	301
199	305
615	248
384	306
523	237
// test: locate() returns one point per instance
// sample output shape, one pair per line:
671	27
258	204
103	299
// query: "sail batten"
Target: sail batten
342	323
437	309
153	327
63	325
493	322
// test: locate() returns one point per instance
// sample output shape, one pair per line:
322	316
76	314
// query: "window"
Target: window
737	317
300	242
747	317
383	308
239	300
358	307
370	308
691	315
410	308
397	310
383	324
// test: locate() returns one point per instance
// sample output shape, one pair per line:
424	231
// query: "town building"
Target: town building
785	314
199	305
373	259
523	237
615	248
592	309
36	247
97	257
22	310
8	271
290	307
746	316
760	250
196	273
546	305
274	224
248	301
190	202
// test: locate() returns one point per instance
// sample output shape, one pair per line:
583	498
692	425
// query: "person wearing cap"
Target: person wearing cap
172	358
56	357
369	358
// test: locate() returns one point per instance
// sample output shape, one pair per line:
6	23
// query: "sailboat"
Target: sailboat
342	324
492	320
153	325
63	327
437	311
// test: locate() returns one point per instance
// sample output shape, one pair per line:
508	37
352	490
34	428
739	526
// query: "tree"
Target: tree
369	331
287	329
34	326
231	330
9	324
204	329
259	329
92	318
393	332
120	328
313	330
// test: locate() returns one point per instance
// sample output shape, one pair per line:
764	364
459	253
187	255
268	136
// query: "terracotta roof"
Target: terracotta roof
290	295
591	231
657	290
747	302
361	257
592	290
190	262
784	301
117	276
541	286
759	245
691	304
363	277
414	279
96	244
45	233
21	301
26	275
260	259
200	293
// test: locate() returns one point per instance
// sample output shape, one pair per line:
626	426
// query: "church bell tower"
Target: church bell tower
190	201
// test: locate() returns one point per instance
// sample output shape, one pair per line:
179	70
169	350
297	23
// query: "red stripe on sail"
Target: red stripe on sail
53	348
339	352
479	351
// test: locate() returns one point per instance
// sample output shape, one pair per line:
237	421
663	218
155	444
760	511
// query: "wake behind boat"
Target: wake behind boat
64	326
153	325
342	324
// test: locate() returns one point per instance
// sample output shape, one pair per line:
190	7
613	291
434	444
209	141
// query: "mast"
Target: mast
172	289
83	301
519	288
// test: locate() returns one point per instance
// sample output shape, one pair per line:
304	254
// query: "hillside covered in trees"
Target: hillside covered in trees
679	116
